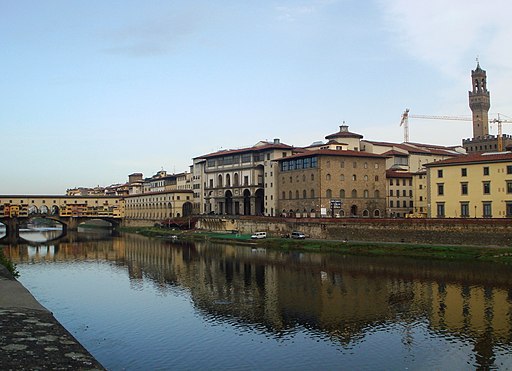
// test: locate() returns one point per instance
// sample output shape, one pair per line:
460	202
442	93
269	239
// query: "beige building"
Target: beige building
400	193
239	182
477	185
159	205
316	183
410	156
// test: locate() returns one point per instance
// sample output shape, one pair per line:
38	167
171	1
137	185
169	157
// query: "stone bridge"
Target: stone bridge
69	211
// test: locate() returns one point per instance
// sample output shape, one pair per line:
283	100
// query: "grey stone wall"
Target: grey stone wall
484	232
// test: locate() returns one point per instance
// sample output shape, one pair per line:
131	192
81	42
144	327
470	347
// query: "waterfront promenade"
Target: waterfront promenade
30	336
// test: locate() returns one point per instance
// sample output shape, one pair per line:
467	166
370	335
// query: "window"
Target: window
366	165
284	195
328	193
509	186
342	177
411	204
354	193
440	209
487	207
354	165
486	170
464	209
342	193
376	178
297	194
391	203
354	177
342	164
404	203
391	192
508	208
366	194
312	193
304	194
410	192
328	177
509	169
464	188
440	189
404	193
376	194
246	158
439	173
246	180
366	178
463	172
487	188
390	181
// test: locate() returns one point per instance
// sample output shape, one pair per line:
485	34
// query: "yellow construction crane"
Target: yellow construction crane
405	123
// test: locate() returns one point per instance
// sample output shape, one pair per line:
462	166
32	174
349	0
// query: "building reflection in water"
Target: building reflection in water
338	296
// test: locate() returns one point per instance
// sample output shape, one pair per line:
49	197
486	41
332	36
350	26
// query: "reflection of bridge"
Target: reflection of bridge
69	211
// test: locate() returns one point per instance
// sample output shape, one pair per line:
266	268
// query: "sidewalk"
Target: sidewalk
31	338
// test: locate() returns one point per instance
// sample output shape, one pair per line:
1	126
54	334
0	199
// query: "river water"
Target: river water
147	304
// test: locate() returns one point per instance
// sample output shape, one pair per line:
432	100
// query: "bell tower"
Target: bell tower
479	102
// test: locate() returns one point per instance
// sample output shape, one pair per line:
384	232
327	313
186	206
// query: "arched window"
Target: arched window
342	193
328	193
342	164
312	176
342	177
219	181
376	194
366	194
303	177
354	193
366	213
366	178
312	193
328	177
284	195
297	194
354	177
228	180
376	213
366	165
304	194
236	180
290	195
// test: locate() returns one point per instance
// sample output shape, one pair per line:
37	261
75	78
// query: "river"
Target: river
147	304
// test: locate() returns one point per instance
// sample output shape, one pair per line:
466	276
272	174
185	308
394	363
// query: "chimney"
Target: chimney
276	141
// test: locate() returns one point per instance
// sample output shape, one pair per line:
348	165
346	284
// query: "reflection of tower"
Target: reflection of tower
479	102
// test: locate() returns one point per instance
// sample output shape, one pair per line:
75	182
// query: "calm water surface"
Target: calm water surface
143	304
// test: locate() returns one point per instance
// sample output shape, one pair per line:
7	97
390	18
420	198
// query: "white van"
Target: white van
258	235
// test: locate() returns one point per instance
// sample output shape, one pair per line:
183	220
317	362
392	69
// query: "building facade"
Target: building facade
239	182
159	206
472	186
326	182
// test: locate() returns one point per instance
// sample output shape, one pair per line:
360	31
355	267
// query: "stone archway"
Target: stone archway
353	210
247	202
229	202
259	202
187	209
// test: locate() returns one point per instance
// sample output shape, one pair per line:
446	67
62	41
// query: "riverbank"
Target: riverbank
495	254
31	338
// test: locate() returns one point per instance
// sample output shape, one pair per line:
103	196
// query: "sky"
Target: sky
91	91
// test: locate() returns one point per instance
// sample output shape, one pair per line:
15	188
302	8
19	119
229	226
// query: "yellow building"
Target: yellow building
476	186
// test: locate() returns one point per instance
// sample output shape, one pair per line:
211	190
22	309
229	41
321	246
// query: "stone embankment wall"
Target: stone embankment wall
485	232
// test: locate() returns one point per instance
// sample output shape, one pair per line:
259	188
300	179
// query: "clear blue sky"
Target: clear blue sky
91	91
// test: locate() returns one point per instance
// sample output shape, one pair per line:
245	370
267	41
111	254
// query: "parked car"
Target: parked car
298	235
258	235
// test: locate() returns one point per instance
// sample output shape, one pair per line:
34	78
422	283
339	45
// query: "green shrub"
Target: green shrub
11	267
